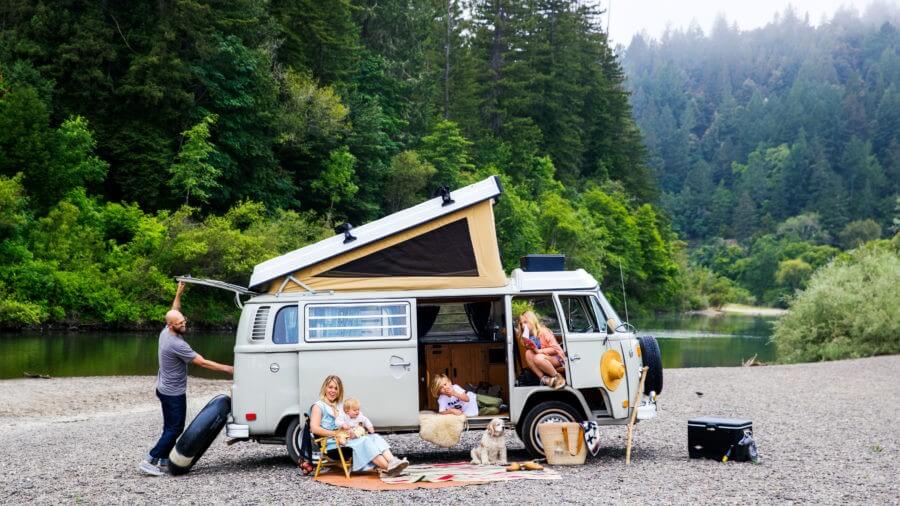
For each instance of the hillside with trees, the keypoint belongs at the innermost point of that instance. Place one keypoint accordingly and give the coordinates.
(144, 140)
(773, 148)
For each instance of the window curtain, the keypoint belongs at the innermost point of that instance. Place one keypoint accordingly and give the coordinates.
(425, 318)
(479, 314)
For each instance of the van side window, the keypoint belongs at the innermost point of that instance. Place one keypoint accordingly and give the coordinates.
(352, 322)
(579, 314)
(286, 330)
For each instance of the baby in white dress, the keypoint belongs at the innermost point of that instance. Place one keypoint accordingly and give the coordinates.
(353, 420)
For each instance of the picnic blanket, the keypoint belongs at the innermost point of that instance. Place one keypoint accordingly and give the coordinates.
(370, 481)
(466, 472)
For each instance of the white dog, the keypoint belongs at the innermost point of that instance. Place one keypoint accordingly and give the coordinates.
(492, 449)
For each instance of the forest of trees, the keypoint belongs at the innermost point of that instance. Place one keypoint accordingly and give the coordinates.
(774, 148)
(143, 140)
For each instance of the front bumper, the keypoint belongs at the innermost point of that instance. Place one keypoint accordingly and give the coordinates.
(647, 409)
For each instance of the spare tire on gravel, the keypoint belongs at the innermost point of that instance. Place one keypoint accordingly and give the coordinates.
(194, 441)
(653, 360)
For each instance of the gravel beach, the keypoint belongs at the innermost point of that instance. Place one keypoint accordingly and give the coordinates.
(827, 433)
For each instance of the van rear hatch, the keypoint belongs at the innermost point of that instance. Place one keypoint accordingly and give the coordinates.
(222, 285)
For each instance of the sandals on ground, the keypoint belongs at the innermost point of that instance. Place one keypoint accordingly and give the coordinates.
(524, 466)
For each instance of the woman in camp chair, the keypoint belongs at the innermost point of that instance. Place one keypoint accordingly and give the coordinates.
(369, 451)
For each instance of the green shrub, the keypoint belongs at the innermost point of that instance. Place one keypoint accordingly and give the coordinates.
(851, 308)
(859, 232)
(19, 314)
(702, 288)
(111, 265)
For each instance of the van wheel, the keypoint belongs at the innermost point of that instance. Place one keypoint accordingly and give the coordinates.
(199, 435)
(653, 360)
(550, 411)
(292, 439)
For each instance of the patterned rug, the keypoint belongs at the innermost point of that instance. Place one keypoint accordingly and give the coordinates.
(370, 481)
(465, 472)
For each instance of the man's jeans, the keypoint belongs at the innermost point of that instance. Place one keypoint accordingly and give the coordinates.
(174, 408)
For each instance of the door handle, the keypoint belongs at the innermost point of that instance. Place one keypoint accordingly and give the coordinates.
(405, 365)
(575, 358)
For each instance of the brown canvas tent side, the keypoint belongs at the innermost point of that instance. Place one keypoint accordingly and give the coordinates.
(430, 246)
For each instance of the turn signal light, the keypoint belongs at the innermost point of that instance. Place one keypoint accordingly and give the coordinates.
(250, 417)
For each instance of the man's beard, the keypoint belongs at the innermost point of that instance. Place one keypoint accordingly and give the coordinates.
(179, 331)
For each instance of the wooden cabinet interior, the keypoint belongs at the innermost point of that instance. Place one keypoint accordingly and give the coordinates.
(466, 363)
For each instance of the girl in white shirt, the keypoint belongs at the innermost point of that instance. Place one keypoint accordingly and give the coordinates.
(453, 399)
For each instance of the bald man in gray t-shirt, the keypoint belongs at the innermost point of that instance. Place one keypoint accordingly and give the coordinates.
(171, 384)
(174, 355)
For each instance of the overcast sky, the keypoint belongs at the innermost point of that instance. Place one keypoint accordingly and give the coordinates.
(628, 17)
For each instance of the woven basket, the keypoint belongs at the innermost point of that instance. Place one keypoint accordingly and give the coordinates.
(563, 443)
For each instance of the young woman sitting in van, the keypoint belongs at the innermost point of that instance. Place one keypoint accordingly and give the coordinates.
(368, 450)
(543, 353)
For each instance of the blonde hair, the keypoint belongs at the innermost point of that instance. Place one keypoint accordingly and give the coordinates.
(436, 381)
(533, 322)
(351, 403)
(340, 396)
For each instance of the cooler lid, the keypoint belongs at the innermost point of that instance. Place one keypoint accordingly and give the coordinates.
(714, 421)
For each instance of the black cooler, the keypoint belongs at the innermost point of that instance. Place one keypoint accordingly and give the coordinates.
(712, 437)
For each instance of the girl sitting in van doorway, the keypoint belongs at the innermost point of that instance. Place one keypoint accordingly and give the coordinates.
(454, 399)
(542, 351)
(368, 450)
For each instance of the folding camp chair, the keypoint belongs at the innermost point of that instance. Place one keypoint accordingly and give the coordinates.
(325, 460)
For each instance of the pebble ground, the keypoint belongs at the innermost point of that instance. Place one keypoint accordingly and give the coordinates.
(827, 434)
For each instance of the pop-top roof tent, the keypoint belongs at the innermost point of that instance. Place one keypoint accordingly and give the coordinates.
(445, 242)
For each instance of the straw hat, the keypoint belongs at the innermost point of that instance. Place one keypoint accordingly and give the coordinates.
(612, 370)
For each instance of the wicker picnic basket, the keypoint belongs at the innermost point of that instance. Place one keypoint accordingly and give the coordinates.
(563, 443)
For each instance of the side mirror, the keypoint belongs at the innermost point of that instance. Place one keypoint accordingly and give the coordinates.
(610, 324)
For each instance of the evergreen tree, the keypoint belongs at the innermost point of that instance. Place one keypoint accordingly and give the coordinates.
(745, 217)
(828, 196)
(448, 151)
(828, 92)
(864, 178)
(319, 36)
(192, 173)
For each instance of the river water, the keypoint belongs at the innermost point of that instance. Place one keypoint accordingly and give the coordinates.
(703, 341)
(685, 341)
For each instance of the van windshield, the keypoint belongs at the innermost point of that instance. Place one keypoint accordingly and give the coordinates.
(607, 309)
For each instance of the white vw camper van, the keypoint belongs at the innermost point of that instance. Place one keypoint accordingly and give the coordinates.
(421, 292)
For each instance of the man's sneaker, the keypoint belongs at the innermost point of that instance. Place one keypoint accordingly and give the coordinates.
(163, 466)
(149, 469)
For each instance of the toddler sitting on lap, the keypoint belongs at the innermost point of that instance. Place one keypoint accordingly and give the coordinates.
(352, 419)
